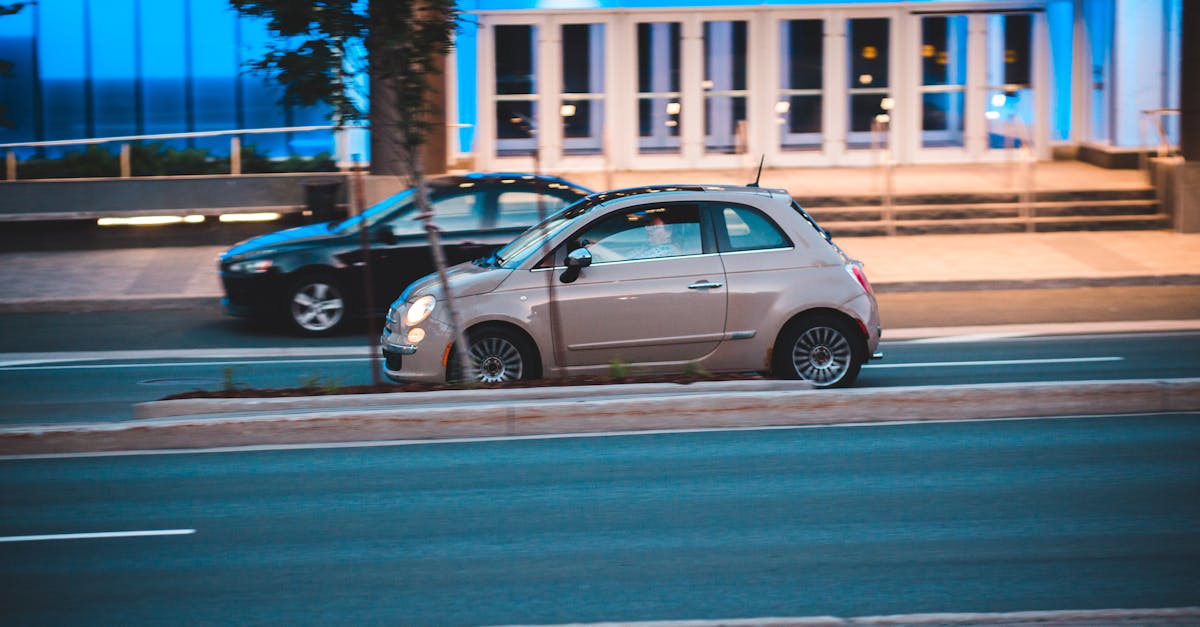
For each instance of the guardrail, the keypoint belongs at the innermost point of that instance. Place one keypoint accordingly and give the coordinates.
(235, 144)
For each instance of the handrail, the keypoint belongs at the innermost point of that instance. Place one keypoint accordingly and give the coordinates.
(235, 147)
(1164, 148)
(128, 138)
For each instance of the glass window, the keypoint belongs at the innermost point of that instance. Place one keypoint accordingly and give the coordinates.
(164, 70)
(943, 80)
(799, 105)
(582, 109)
(659, 105)
(516, 89)
(461, 212)
(520, 209)
(725, 86)
(1009, 88)
(645, 233)
(869, 56)
(748, 229)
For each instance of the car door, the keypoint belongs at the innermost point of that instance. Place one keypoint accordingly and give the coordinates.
(640, 302)
(405, 256)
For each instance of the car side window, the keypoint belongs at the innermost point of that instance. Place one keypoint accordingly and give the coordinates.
(460, 212)
(520, 209)
(648, 232)
(742, 228)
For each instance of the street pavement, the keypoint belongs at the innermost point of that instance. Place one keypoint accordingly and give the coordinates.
(899, 266)
(140, 277)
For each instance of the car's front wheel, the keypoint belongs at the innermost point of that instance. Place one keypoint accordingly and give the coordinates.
(316, 305)
(496, 355)
(822, 350)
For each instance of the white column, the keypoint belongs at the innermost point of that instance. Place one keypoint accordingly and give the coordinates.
(485, 115)
(547, 63)
(692, 75)
(835, 108)
(975, 126)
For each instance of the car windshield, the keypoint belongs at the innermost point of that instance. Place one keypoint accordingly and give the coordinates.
(532, 240)
(378, 211)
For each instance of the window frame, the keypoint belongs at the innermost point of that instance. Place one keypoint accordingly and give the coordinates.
(724, 245)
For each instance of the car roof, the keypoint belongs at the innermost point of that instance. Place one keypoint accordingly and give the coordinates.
(648, 190)
(453, 180)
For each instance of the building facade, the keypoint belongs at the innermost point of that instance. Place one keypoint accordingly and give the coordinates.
(563, 85)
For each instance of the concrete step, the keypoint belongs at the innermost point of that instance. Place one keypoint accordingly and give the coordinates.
(992, 210)
(874, 200)
(1002, 225)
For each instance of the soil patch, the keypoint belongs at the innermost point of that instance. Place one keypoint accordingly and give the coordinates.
(388, 388)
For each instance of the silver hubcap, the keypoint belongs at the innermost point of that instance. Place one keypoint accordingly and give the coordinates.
(317, 307)
(821, 355)
(495, 359)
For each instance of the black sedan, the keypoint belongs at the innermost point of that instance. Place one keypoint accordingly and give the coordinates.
(312, 277)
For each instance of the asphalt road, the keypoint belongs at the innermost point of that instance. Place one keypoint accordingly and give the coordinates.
(994, 516)
(83, 388)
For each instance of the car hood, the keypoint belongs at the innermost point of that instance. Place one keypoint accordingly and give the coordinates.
(280, 239)
(466, 279)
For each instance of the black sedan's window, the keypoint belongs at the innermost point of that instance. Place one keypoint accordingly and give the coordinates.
(521, 208)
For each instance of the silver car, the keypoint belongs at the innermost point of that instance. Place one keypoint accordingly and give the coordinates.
(661, 279)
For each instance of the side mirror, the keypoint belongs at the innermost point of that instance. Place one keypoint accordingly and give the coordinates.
(577, 260)
(383, 233)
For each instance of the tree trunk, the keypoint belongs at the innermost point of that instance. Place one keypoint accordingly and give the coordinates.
(386, 134)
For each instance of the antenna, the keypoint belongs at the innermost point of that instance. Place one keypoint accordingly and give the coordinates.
(759, 175)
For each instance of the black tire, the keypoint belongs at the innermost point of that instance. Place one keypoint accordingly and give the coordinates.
(316, 305)
(497, 355)
(821, 349)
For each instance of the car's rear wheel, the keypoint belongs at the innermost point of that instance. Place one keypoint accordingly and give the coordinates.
(316, 305)
(496, 355)
(822, 350)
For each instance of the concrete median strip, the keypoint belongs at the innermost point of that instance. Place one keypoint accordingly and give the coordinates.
(535, 411)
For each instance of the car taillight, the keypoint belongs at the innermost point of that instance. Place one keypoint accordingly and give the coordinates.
(857, 272)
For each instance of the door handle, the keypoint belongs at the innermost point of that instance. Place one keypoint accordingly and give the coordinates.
(703, 285)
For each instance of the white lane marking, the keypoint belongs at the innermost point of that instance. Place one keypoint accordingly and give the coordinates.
(98, 534)
(20, 359)
(179, 364)
(270, 448)
(1004, 331)
(996, 362)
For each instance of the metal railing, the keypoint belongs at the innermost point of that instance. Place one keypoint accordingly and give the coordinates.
(1155, 119)
(235, 144)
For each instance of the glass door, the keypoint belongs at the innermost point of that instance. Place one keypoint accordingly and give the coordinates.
(1009, 89)
(724, 87)
(516, 89)
(943, 81)
(582, 98)
(869, 54)
(659, 104)
(799, 103)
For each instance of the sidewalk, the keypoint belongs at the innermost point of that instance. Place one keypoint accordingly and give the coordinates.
(68, 280)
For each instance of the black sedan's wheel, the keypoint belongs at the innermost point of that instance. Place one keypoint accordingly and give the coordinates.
(822, 350)
(497, 355)
(316, 305)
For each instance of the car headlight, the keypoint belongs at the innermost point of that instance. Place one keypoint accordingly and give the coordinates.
(255, 266)
(420, 310)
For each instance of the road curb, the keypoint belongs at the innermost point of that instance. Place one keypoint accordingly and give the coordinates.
(1089, 618)
(504, 414)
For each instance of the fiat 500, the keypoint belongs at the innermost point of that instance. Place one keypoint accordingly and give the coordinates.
(661, 279)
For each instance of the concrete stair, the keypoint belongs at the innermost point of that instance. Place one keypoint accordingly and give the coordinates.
(1106, 210)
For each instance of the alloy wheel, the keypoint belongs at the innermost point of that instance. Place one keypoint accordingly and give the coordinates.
(317, 307)
(495, 359)
(822, 355)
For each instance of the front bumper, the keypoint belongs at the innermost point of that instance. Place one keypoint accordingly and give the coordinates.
(424, 362)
